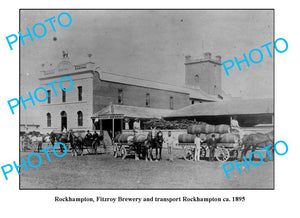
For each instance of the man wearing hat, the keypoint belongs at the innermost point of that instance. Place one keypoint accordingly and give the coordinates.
(212, 144)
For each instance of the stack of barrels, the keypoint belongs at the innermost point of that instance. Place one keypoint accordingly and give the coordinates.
(129, 138)
(123, 138)
(206, 131)
(140, 138)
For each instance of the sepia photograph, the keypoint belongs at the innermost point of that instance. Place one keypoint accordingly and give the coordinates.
(146, 99)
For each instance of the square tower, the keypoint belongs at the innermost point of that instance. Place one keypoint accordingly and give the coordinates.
(204, 73)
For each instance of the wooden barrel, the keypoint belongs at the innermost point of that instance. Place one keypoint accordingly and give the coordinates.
(123, 138)
(209, 128)
(222, 128)
(139, 138)
(186, 138)
(195, 129)
(228, 138)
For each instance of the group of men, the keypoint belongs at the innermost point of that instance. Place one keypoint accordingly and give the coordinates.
(92, 138)
(211, 142)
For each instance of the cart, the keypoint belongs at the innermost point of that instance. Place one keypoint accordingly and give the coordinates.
(223, 152)
(124, 150)
(189, 151)
(226, 151)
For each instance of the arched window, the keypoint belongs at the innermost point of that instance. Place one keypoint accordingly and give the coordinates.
(197, 79)
(64, 121)
(48, 120)
(79, 118)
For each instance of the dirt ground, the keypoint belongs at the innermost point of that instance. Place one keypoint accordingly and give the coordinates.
(106, 172)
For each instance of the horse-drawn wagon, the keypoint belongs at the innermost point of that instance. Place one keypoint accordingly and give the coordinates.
(78, 143)
(130, 145)
(123, 146)
(186, 141)
(227, 147)
(139, 145)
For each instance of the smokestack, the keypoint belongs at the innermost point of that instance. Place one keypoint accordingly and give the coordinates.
(187, 58)
(207, 55)
(218, 58)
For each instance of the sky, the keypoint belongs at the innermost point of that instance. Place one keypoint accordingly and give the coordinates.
(152, 44)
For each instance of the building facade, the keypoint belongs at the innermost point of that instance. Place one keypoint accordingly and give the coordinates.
(94, 89)
(71, 109)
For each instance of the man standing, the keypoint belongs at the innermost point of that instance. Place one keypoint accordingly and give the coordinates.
(136, 125)
(197, 142)
(236, 129)
(34, 141)
(95, 139)
(170, 140)
(212, 144)
(234, 124)
(159, 142)
(39, 142)
(88, 138)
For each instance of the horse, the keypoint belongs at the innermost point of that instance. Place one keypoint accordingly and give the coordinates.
(97, 140)
(141, 146)
(76, 143)
(257, 140)
(68, 137)
(154, 142)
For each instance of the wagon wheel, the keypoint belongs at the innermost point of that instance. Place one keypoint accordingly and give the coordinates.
(188, 154)
(234, 154)
(123, 152)
(202, 152)
(222, 154)
(115, 151)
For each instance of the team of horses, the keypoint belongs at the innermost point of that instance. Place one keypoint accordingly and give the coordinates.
(77, 142)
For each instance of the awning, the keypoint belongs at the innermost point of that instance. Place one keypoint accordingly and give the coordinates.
(119, 111)
(227, 107)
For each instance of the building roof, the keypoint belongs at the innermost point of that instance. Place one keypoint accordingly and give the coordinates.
(226, 107)
(133, 112)
(65, 67)
(196, 93)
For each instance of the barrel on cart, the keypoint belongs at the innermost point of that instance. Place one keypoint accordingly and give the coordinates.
(186, 141)
(126, 145)
(227, 147)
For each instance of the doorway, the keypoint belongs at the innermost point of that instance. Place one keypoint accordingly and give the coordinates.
(63, 115)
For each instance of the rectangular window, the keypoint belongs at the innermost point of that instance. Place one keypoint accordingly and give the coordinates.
(120, 96)
(147, 100)
(49, 96)
(48, 120)
(171, 103)
(63, 96)
(79, 93)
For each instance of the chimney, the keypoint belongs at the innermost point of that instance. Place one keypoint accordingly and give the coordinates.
(218, 58)
(187, 58)
(207, 55)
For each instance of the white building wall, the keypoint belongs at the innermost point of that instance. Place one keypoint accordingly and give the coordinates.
(72, 105)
